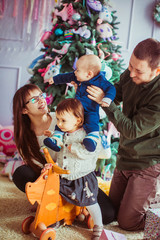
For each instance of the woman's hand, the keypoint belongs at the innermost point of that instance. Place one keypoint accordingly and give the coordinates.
(47, 133)
(47, 166)
(95, 93)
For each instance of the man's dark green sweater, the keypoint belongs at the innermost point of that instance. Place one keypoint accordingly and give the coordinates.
(138, 122)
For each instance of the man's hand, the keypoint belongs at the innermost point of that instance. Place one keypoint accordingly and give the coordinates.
(104, 104)
(95, 93)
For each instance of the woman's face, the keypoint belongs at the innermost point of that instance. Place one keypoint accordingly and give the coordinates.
(35, 104)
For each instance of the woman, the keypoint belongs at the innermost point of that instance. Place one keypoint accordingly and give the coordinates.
(31, 119)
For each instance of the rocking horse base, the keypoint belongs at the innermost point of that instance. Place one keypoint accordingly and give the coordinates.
(41, 232)
(52, 208)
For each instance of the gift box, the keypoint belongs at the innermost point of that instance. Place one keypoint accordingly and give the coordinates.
(152, 224)
(104, 185)
(110, 235)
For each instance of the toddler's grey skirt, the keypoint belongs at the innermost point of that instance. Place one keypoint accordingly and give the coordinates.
(82, 191)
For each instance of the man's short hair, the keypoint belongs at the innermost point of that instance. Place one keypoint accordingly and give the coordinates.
(149, 50)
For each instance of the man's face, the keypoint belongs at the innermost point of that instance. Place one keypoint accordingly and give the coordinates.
(140, 72)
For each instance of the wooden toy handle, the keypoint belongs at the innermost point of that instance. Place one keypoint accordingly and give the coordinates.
(55, 167)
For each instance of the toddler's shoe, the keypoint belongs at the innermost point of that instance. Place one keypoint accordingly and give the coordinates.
(97, 231)
(55, 143)
(90, 142)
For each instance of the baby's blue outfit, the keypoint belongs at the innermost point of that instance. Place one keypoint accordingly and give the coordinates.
(91, 108)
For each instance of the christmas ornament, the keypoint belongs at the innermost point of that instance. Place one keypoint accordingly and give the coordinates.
(35, 63)
(105, 30)
(76, 17)
(115, 56)
(93, 40)
(63, 50)
(54, 17)
(83, 32)
(104, 15)
(94, 5)
(156, 12)
(100, 52)
(51, 70)
(58, 32)
(68, 34)
(66, 13)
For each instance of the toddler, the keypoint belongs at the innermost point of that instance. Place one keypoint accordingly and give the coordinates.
(80, 187)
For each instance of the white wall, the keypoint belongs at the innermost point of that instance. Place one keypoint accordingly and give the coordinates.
(18, 49)
(19, 45)
(136, 24)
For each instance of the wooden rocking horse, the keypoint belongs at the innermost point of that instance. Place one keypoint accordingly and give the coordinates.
(52, 208)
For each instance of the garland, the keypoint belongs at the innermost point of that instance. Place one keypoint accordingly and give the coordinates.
(156, 12)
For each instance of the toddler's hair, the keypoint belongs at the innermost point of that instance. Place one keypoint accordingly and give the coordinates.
(71, 105)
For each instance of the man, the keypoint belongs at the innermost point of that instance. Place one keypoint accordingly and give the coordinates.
(136, 177)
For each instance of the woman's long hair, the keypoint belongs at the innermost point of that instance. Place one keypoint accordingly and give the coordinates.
(25, 138)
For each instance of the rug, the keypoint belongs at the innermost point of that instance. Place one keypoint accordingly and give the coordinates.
(14, 208)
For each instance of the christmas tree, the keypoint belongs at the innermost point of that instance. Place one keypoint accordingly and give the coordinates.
(79, 27)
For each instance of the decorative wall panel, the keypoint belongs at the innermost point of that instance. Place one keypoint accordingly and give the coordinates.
(9, 83)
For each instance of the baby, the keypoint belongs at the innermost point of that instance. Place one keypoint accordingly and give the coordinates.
(87, 73)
